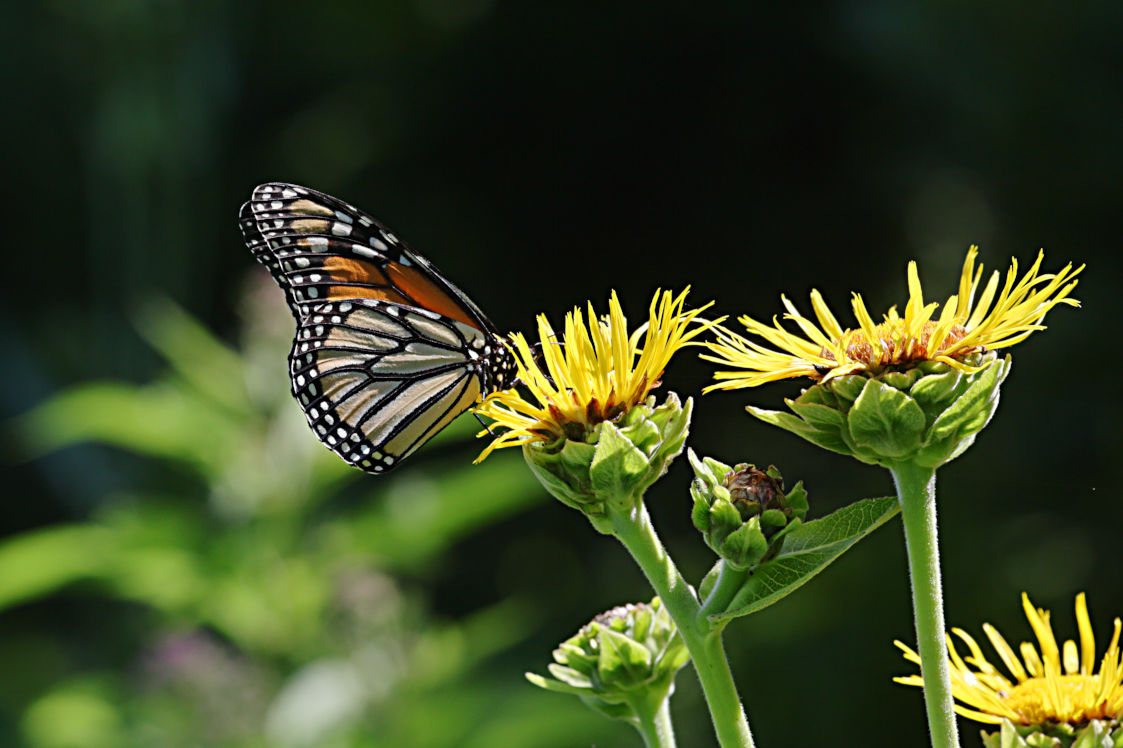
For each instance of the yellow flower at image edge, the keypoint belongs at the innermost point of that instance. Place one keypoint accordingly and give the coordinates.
(826, 351)
(1051, 684)
(594, 372)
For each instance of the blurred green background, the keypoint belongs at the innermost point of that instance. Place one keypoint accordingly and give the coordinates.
(181, 563)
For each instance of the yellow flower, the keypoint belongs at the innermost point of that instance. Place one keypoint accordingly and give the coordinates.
(595, 372)
(962, 327)
(1054, 685)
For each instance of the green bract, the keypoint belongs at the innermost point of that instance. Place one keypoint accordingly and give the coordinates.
(927, 415)
(1095, 734)
(743, 513)
(622, 659)
(617, 460)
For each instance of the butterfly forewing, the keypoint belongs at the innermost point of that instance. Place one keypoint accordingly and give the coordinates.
(377, 380)
(319, 248)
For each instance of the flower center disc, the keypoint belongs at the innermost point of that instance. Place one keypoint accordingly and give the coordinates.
(1065, 698)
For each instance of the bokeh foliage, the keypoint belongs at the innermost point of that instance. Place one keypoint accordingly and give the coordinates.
(275, 611)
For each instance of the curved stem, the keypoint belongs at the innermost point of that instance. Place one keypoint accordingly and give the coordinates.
(916, 491)
(655, 724)
(729, 581)
(634, 530)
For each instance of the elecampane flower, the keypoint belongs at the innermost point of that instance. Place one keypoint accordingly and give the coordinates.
(964, 326)
(1050, 684)
(595, 371)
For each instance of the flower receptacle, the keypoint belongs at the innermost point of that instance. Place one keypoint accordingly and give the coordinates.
(926, 415)
(617, 461)
(624, 657)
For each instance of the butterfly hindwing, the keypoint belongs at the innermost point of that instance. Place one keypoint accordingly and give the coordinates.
(376, 379)
(319, 248)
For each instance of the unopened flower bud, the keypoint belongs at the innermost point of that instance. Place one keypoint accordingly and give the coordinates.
(743, 512)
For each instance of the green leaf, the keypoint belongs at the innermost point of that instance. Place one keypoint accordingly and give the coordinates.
(886, 420)
(700, 512)
(569, 676)
(744, 546)
(161, 420)
(822, 417)
(622, 711)
(623, 663)
(901, 380)
(553, 484)
(617, 464)
(37, 563)
(415, 519)
(800, 428)
(194, 353)
(808, 550)
(848, 387)
(934, 390)
(707, 584)
(724, 519)
(972, 410)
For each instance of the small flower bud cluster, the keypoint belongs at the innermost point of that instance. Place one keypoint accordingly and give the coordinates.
(625, 656)
(742, 512)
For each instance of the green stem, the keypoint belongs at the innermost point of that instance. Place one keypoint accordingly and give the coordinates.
(655, 724)
(729, 582)
(916, 491)
(704, 643)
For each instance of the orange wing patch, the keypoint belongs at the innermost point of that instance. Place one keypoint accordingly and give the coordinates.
(374, 283)
(427, 294)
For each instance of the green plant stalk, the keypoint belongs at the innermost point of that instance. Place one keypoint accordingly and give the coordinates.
(703, 641)
(655, 723)
(916, 491)
(729, 581)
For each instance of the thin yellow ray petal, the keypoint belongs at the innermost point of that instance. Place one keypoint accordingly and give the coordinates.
(826, 319)
(1039, 621)
(916, 294)
(1087, 638)
(1005, 652)
(1070, 657)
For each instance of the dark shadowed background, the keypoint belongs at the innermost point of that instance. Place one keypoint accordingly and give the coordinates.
(182, 564)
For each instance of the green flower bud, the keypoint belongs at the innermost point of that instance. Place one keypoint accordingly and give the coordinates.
(616, 462)
(926, 415)
(626, 656)
(1094, 734)
(742, 512)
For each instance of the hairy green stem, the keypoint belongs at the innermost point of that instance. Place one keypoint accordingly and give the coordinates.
(655, 723)
(916, 491)
(729, 582)
(703, 642)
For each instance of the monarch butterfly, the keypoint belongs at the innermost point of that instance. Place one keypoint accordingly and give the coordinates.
(387, 351)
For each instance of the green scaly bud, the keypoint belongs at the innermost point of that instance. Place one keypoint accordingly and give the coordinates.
(1095, 734)
(616, 461)
(624, 657)
(742, 512)
(926, 415)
